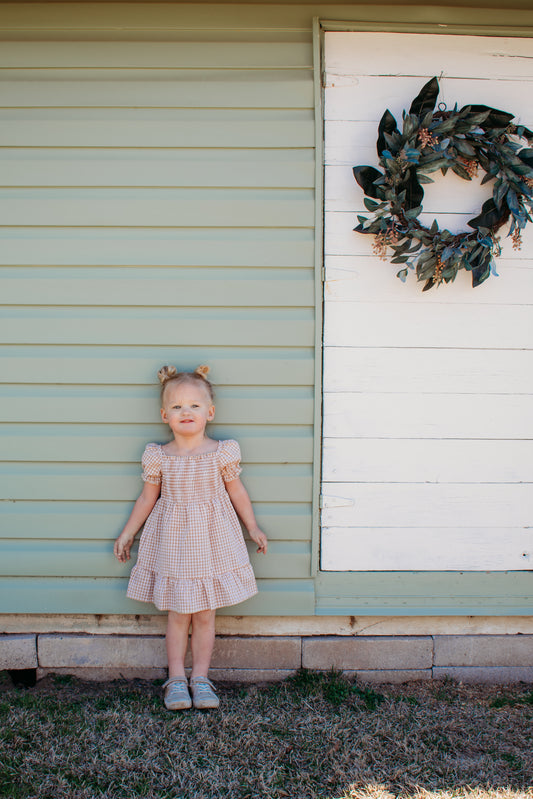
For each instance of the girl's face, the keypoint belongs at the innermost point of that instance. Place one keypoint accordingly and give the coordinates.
(187, 407)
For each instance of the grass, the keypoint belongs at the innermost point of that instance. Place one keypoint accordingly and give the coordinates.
(314, 736)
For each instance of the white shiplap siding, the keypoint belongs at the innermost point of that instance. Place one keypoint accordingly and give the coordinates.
(427, 397)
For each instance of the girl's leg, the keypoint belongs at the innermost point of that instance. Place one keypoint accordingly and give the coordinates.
(177, 639)
(202, 642)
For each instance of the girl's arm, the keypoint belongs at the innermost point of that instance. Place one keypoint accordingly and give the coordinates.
(243, 506)
(141, 511)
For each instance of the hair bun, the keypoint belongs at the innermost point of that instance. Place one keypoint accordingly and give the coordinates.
(202, 370)
(166, 373)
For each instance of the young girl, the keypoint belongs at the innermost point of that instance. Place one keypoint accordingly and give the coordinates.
(192, 556)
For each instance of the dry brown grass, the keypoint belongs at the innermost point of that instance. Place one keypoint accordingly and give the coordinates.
(313, 737)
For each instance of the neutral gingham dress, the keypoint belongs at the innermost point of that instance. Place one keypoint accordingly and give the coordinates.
(192, 554)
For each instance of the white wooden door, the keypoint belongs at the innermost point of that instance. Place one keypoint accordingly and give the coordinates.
(428, 420)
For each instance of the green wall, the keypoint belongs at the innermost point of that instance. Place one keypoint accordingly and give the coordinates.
(158, 205)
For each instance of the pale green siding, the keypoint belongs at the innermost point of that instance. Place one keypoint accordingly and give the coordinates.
(157, 206)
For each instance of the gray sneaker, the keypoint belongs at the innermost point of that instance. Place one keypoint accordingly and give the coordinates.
(177, 696)
(203, 694)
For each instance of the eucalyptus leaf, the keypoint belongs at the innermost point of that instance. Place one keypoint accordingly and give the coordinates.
(412, 155)
(365, 176)
(486, 178)
(410, 125)
(447, 253)
(478, 117)
(425, 100)
(415, 192)
(461, 171)
(424, 255)
(401, 248)
(493, 117)
(512, 202)
(500, 190)
(393, 141)
(481, 268)
(412, 213)
(489, 217)
(428, 119)
(427, 269)
(522, 131)
(434, 166)
(445, 126)
(483, 160)
(464, 147)
(387, 126)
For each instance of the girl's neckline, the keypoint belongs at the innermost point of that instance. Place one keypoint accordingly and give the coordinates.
(198, 455)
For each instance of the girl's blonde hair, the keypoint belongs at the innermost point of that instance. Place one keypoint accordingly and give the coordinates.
(169, 374)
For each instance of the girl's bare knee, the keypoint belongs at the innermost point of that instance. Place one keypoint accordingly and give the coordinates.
(204, 618)
(178, 619)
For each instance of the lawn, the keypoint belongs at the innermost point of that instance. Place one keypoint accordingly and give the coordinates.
(311, 737)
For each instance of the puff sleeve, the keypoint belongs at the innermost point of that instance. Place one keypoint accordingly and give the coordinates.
(151, 463)
(230, 457)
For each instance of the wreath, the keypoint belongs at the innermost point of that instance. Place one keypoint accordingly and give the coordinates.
(461, 140)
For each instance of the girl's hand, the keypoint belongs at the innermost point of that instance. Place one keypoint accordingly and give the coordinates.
(260, 539)
(141, 510)
(241, 502)
(122, 547)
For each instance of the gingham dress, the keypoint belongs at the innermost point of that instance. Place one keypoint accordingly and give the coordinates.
(192, 554)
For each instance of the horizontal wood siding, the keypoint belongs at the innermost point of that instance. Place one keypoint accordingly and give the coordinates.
(427, 396)
(157, 169)
(157, 205)
(425, 593)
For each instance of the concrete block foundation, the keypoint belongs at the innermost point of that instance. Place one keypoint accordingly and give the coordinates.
(266, 658)
(485, 674)
(101, 651)
(18, 652)
(367, 652)
(495, 651)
